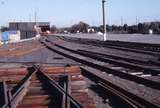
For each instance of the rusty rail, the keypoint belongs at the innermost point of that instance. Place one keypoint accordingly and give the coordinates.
(10, 98)
(146, 70)
(133, 100)
(137, 79)
(133, 60)
(118, 45)
(3, 93)
(16, 94)
(67, 100)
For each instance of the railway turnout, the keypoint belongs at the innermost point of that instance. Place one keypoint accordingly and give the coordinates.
(90, 59)
(39, 90)
(120, 81)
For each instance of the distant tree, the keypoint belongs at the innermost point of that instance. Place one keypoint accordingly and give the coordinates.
(101, 28)
(125, 27)
(3, 29)
(81, 27)
(120, 28)
(108, 28)
(96, 29)
(133, 29)
(114, 28)
(146, 28)
(140, 28)
(53, 28)
(74, 28)
(155, 27)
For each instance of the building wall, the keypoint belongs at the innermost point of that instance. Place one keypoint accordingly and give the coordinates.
(27, 34)
(29, 26)
(27, 29)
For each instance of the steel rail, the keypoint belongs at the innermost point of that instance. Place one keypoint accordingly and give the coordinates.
(145, 70)
(16, 94)
(136, 45)
(128, 59)
(126, 65)
(139, 80)
(3, 93)
(131, 99)
(53, 83)
(155, 85)
(100, 43)
(143, 46)
(32, 63)
(134, 50)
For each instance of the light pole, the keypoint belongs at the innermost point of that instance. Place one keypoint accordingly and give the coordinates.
(104, 23)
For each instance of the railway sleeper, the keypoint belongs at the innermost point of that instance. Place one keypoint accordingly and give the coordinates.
(140, 80)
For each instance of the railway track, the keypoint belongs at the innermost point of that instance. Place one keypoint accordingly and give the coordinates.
(122, 72)
(75, 55)
(12, 96)
(133, 45)
(144, 68)
(37, 90)
(12, 76)
(127, 59)
(124, 64)
(142, 48)
(40, 88)
(32, 63)
(130, 100)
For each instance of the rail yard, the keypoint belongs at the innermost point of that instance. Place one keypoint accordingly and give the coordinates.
(66, 72)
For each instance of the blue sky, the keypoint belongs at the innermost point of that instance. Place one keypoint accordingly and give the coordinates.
(67, 12)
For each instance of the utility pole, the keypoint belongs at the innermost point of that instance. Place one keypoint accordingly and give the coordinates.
(29, 17)
(122, 24)
(35, 16)
(136, 20)
(36, 25)
(122, 21)
(104, 23)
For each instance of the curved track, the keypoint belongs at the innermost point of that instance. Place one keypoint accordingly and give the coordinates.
(133, 100)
